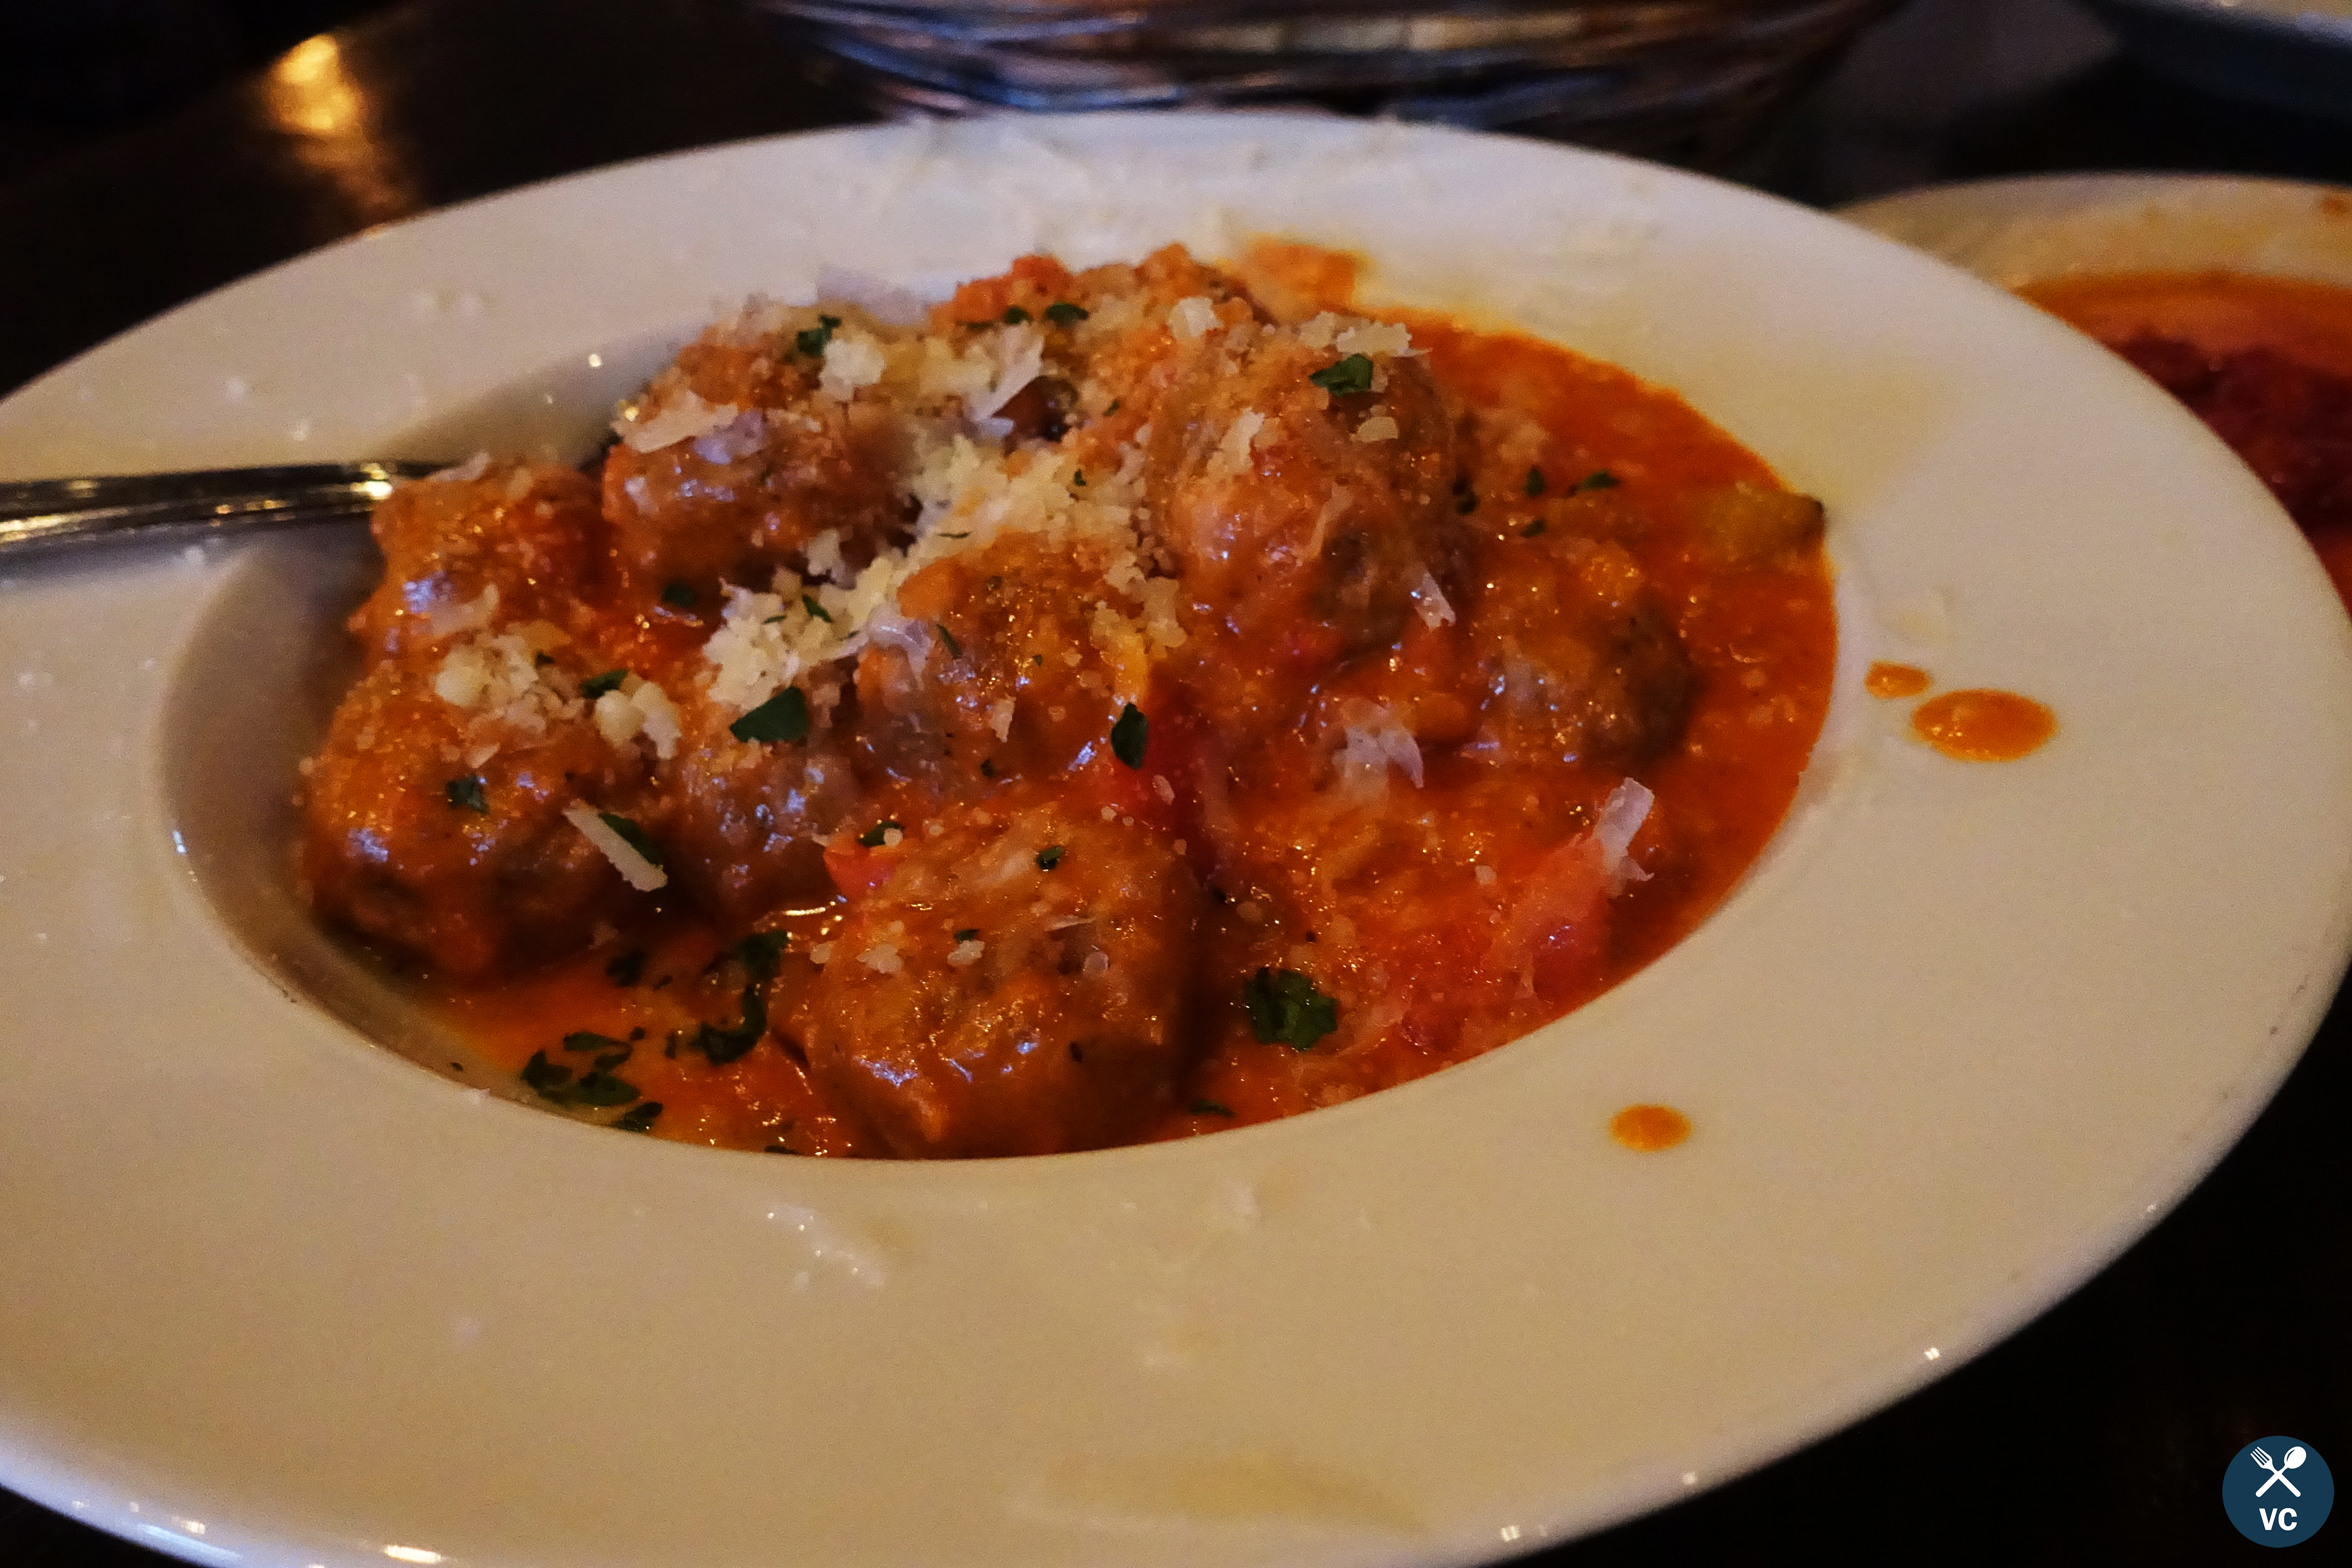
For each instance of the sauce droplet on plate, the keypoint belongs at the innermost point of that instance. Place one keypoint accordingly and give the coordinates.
(1649, 1128)
(1982, 726)
(1886, 679)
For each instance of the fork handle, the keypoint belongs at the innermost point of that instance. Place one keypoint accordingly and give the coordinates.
(41, 515)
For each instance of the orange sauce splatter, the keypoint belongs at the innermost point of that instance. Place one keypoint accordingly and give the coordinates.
(1886, 679)
(1649, 1128)
(1982, 726)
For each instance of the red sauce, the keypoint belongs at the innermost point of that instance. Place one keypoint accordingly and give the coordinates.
(1646, 1129)
(1884, 680)
(2266, 362)
(1983, 726)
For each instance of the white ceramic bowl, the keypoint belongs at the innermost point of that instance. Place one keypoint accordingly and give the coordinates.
(277, 1296)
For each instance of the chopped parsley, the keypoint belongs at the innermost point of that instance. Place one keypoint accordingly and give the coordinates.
(1532, 529)
(542, 660)
(1062, 313)
(634, 836)
(1535, 481)
(1130, 735)
(596, 686)
(627, 968)
(988, 767)
(760, 951)
(967, 933)
(872, 837)
(1014, 316)
(1284, 1006)
(1079, 477)
(1200, 1108)
(1113, 408)
(596, 1087)
(467, 793)
(724, 1046)
(783, 717)
(812, 341)
(1466, 502)
(808, 603)
(589, 1040)
(677, 596)
(955, 649)
(1599, 479)
(1049, 857)
(1350, 375)
(638, 1118)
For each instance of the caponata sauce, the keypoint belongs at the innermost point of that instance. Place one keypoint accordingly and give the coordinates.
(1262, 712)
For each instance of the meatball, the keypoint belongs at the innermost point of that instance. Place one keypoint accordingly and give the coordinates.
(761, 438)
(747, 817)
(1578, 659)
(1307, 519)
(1014, 985)
(438, 828)
(1019, 655)
(508, 541)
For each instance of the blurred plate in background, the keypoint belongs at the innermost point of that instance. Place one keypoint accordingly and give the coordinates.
(1693, 80)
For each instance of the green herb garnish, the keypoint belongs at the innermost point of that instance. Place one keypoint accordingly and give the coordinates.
(760, 951)
(1130, 735)
(638, 1118)
(589, 1040)
(1049, 857)
(1535, 481)
(1015, 315)
(724, 1046)
(677, 596)
(967, 933)
(1350, 375)
(872, 837)
(1599, 479)
(467, 793)
(1062, 313)
(596, 1087)
(596, 686)
(627, 968)
(783, 717)
(1210, 1107)
(812, 340)
(634, 836)
(1532, 528)
(1284, 1006)
(808, 603)
(955, 649)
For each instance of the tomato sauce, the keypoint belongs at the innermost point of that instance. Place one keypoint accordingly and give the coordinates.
(1984, 726)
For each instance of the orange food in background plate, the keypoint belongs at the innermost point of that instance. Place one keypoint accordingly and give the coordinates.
(2266, 362)
(1126, 705)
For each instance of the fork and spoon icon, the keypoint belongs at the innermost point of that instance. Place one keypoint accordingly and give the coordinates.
(2294, 1456)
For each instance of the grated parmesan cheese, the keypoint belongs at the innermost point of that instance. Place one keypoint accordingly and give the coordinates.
(635, 870)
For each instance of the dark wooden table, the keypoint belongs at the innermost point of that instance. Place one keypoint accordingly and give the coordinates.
(2099, 1433)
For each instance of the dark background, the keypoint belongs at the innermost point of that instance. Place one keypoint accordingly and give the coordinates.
(141, 163)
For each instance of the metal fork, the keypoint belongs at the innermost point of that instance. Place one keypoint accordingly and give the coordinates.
(38, 516)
